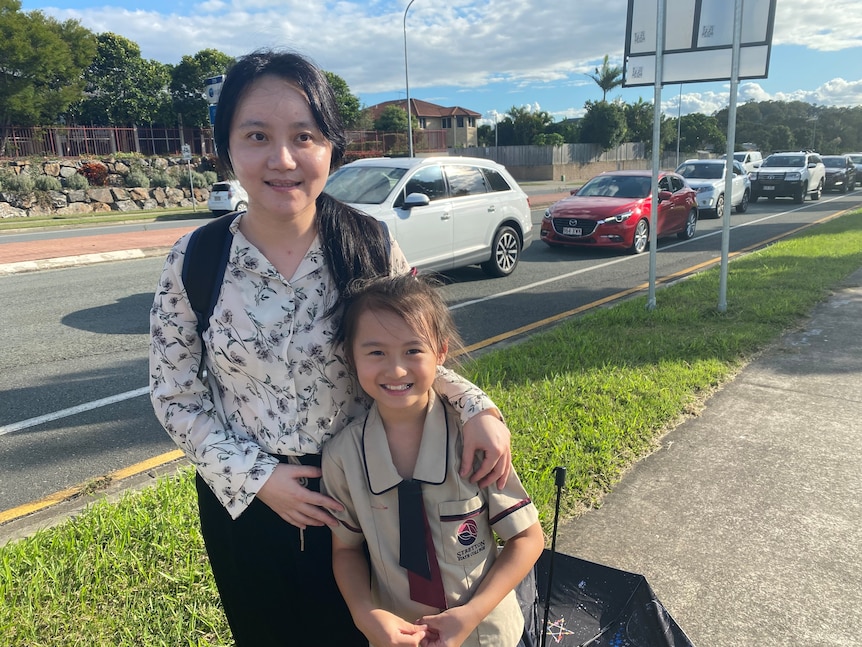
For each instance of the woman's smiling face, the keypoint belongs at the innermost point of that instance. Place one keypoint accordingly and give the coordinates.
(277, 150)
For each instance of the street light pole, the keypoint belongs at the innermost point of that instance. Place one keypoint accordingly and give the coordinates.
(407, 85)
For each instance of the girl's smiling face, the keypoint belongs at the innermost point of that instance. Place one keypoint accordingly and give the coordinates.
(395, 365)
(277, 150)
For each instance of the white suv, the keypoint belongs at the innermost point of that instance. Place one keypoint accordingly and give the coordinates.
(789, 175)
(445, 212)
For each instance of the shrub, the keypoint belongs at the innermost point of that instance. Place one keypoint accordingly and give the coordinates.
(47, 183)
(164, 180)
(19, 184)
(76, 182)
(210, 177)
(95, 172)
(197, 180)
(137, 178)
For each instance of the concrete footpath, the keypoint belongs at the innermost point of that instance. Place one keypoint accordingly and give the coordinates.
(748, 521)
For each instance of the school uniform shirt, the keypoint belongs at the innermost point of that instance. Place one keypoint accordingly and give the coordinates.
(359, 472)
(276, 383)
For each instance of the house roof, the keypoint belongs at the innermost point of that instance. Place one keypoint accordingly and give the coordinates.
(423, 109)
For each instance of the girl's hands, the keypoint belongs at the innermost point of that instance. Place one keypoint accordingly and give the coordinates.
(449, 628)
(385, 628)
(295, 503)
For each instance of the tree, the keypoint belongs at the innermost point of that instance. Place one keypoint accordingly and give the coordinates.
(393, 119)
(485, 135)
(700, 132)
(607, 77)
(549, 139)
(187, 84)
(603, 124)
(122, 89)
(41, 65)
(527, 123)
(348, 104)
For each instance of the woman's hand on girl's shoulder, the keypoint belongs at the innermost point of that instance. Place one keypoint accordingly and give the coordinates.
(488, 438)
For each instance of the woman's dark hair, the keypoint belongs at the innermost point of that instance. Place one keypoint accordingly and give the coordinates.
(414, 298)
(354, 244)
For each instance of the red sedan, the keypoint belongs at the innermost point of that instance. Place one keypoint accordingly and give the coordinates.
(613, 210)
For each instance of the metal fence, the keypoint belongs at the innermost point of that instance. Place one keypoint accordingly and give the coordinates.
(77, 141)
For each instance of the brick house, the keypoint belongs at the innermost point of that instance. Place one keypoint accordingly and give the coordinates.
(459, 124)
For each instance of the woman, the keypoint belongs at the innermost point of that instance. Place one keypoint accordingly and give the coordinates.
(276, 385)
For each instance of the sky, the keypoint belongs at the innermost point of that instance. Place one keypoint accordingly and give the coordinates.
(483, 55)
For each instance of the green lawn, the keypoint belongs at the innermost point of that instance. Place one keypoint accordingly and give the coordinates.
(595, 394)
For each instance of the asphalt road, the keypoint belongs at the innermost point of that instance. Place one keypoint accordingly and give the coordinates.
(73, 372)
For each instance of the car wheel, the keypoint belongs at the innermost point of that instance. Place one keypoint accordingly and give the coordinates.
(818, 191)
(800, 195)
(641, 237)
(690, 226)
(719, 206)
(505, 253)
(742, 207)
(241, 206)
(754, 198)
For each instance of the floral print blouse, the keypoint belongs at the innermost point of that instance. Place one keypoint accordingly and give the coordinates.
(275, 382)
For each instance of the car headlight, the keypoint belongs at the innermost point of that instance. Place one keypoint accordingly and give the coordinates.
(548, 213)
(795, 176)
(752, 176)
(705, 189)
(620, 217)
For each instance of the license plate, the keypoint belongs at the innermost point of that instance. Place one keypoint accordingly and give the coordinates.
(769, 188)
(572, 231)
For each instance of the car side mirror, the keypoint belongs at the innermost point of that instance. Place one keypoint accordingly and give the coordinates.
(664, 195)
(812, 164)
(573, 192)
(416, 200)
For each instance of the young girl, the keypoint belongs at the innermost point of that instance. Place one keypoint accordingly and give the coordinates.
(436, 576)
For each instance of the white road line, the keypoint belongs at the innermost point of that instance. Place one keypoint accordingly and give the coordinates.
(87, 406)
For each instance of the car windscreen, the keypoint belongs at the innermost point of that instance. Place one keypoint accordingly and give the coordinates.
(856, 159)
(363, 184)
(775, 161)
(616, 186)
(834, 162)
(701, 171)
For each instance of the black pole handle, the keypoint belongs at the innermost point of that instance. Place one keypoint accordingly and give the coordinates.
(559, 481)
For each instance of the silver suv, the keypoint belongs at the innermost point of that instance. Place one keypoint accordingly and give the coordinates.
(445, 212)
(789, 175)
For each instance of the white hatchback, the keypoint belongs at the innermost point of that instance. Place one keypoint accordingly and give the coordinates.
(226, 197)
(445, 212)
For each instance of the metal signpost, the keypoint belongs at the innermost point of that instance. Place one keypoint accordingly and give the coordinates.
(689, 41)
(187, 156)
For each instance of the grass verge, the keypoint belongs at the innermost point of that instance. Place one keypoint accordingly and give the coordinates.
(595, 394)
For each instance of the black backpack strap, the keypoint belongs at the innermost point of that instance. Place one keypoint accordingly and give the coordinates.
(204, 265)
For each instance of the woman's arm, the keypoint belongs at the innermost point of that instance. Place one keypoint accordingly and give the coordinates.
(235, 468)
(486, 436)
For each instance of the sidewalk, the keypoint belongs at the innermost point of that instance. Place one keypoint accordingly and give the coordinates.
(748, 521)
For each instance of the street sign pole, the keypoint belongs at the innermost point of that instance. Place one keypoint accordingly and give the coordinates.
(187, 156)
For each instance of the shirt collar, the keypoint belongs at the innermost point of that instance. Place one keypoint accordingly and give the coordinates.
(312, 262)
(379, 468)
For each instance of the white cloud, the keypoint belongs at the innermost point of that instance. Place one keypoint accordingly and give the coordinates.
(826, 25)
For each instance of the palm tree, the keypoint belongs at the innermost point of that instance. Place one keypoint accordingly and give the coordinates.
(607, 77)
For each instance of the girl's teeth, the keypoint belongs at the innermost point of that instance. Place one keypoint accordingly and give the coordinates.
(398, 387)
